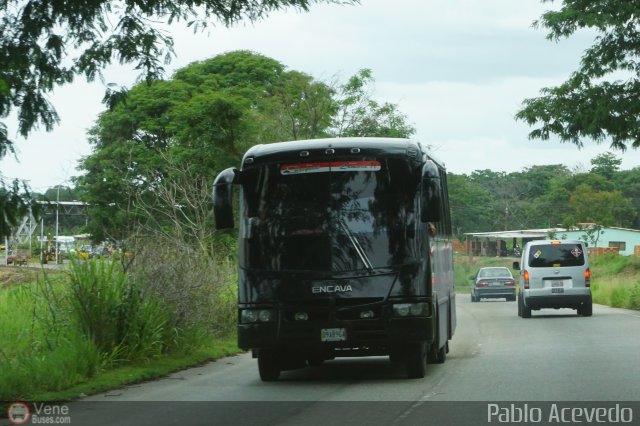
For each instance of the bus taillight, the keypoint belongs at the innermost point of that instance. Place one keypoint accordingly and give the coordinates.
(525, 274)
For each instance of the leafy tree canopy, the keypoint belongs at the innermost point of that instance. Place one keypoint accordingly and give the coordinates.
(44, 44)
(606, 164)
(205, 118)
(605, 208)
(361, 115)
(472, 206)
(599, 101)
(545, 197)
(15, 202)
(48, 43)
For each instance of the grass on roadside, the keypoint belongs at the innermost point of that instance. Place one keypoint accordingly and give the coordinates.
(616, 281)
(93, 329)
(121, 376)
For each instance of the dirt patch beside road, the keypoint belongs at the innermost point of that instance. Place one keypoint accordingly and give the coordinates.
(12, 275)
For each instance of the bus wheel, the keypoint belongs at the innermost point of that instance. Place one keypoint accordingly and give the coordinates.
(416, 360)
(268, 365)
(315, 360)
(396, 356)
(438, 355)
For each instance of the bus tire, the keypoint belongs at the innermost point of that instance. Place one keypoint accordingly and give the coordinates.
(268, 365)
(396, 356)
(438, 355)
(416, 360)
(315, 361)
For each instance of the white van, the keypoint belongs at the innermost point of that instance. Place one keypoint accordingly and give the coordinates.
(554, 274)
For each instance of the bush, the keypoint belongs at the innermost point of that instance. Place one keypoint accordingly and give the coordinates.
(114, 313)
(59, 331)
(634, 296)
(619, 297)
(199, 288)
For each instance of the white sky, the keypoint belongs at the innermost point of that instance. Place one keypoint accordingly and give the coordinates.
(459, 69)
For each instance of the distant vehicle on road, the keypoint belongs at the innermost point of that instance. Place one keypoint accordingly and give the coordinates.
(493, 283)
(554, 274)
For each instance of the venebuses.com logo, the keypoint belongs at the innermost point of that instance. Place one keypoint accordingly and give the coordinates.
(18, 413)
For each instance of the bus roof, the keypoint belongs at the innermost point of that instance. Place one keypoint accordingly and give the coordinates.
(315, 148)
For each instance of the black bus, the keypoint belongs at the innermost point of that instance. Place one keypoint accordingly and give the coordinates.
(344, 250)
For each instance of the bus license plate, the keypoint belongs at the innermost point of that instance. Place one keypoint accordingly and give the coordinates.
(333, 334)
(557, 290)
(557, 283)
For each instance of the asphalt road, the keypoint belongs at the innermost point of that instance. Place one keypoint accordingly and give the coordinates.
(495, 357)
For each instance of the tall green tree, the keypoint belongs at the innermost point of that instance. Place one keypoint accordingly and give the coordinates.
(604, 208)
(47, 43)
(538, 179)
(547, 196)
(599, 101)
(205, 117)
(628, 182)
(470, 205)
(606, 164)
(551, 207)
(37, 36)
(15, 203)
(359, 114)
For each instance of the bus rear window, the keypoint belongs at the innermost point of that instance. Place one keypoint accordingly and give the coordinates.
(556, 256)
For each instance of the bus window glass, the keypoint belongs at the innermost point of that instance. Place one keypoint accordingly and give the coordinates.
(329, 220)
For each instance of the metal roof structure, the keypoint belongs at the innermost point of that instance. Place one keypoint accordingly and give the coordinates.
(29, 224)
(522, 233)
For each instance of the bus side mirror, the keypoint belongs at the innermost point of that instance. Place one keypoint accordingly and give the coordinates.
(222, 197)
(516, 266)
(431, 193)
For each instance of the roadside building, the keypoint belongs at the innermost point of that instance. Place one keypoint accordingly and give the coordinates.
(611, 239)
(600, 240)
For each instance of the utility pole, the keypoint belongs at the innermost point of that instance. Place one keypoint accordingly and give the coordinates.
(56, 247)
(506, 218)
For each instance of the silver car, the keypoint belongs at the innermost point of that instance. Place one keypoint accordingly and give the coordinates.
(554, 274)
(493, 283)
